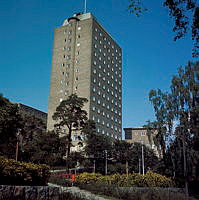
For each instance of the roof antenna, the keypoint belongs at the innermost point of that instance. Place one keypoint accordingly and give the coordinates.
(84, 6)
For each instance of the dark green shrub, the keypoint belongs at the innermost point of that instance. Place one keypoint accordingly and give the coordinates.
(150, 179)
(21, 173)
(58, 180)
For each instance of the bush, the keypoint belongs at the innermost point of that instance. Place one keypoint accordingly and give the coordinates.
(21, 173)
(58, 180)
(135, 193)
(150, 179)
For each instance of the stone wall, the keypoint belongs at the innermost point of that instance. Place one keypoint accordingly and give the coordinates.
(29, 192)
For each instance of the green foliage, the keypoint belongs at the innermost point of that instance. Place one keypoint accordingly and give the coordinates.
(44, 148)
(10, 123)
(59, 180)
(71, 116)
(21, 173)
(150, 179)
(134, 193)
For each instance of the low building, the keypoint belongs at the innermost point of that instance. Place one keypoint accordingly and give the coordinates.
(143, 136)
(32, 112)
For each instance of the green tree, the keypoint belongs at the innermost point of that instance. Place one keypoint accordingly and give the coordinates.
(181, 105)
(97, 148)
(70, 116)
(185, 14)
(10, 123)
(123, 153)
(44, 148)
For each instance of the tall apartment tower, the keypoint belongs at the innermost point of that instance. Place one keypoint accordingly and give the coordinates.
(87, 61)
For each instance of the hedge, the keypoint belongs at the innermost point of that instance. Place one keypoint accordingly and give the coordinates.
(21, 173)
(150, 179)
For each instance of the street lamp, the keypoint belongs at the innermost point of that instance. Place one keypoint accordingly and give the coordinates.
(17, 144)
(106, 162)
(142, 157)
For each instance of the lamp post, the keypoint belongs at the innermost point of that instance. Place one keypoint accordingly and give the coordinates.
(142, 158)
(17, 144)
(106, 162)
(139, 166)
(93, 166)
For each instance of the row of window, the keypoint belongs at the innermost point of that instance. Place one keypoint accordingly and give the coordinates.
(109, 91)
(107, 124)
(108, 108)
(104, 86)
(106, 97)
(106, 115)
(104, 78)
(107, 133)
(106, 70)
(99, 35)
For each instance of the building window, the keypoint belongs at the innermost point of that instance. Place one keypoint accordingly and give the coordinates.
(93, 98)
(76, 78)
(142, 133)
(78, 44)
(60, 99)
(128, 135)
(93, 108)
(79, 28)
(78, 36)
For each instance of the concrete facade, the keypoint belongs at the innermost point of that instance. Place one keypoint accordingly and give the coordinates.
(32, 112)
(140, 135)
(87, 61)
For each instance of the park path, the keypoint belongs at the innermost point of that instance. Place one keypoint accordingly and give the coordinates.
(78, 192)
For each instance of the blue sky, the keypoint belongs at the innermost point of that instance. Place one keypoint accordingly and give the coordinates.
(150, 57)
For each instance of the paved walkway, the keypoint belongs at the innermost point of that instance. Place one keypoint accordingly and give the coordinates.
(77, 192)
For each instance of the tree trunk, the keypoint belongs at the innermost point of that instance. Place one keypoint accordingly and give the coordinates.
(127, 168)
(68, 148)
(185, 168)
